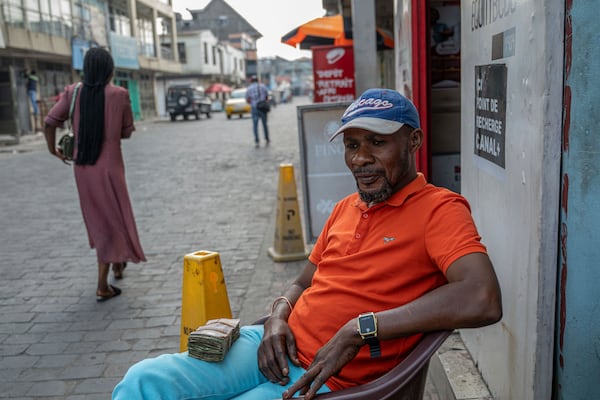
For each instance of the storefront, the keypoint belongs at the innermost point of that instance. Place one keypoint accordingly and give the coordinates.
(506, 95)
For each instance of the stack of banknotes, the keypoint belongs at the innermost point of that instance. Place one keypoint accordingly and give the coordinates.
(212, 341)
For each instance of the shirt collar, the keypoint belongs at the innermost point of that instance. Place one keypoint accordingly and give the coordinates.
(400, 196)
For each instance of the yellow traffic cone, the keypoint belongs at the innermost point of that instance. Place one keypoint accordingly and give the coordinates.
(289, 240)
(204, 293)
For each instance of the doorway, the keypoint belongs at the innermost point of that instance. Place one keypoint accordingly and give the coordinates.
(15, 118)
(125, 80)
(444, 20)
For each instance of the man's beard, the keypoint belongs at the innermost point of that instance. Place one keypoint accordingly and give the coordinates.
(376, 197)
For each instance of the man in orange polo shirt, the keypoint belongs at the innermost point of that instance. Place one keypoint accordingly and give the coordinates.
(397, 258)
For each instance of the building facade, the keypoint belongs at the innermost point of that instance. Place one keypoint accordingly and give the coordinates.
(204, 60)
(51, 37)
(287, 78)
(202, 54)
(229, 26)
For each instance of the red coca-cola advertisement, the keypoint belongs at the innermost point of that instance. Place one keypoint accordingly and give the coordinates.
(333, 70)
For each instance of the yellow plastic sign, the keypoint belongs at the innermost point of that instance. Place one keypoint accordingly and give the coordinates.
(204, 293)
(289, 241)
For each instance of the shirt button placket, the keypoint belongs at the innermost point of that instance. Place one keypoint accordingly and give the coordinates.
(358, 235)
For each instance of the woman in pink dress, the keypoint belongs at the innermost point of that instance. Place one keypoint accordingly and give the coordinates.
(102, 116)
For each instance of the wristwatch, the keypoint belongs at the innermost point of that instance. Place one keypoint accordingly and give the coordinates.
(367, 329)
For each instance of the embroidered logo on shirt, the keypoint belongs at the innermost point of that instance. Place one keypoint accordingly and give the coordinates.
(386, 240)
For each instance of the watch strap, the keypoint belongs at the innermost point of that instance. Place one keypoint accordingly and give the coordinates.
(374, 346)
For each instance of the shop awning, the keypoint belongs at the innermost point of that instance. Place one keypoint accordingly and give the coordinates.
(330, 30)
(218, 88)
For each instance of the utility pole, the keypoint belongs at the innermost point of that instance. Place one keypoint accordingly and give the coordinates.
(222, 22)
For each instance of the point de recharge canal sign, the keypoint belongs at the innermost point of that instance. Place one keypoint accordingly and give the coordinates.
(490, 112)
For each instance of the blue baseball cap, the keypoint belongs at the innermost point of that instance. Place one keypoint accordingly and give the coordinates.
(382, 111)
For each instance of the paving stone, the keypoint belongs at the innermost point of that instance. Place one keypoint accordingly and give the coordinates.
(67, 337)
(97, 385)
(16, 317)
(54, 388)
(83, 371)
(12, 349)
(46, 348)
(14, 328)
(18, 362)
(15, 390)
(40, 374)
(90, 359)
(56, 361)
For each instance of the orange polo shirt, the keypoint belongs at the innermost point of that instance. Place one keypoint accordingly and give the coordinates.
(379, 258)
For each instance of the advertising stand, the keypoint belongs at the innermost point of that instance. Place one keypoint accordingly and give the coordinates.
(325, 177)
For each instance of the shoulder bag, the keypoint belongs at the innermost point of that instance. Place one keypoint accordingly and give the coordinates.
(263, 105)
(67, 141)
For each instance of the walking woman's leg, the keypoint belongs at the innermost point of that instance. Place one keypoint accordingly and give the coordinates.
(103, 278)
(104, 291)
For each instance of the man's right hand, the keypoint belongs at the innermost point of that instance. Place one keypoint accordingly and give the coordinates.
(277, 345)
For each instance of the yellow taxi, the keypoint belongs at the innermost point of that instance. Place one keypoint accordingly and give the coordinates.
(236, 103)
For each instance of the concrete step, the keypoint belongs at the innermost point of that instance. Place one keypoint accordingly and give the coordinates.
(454, 373)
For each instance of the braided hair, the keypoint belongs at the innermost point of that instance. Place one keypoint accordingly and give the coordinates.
(98, 67)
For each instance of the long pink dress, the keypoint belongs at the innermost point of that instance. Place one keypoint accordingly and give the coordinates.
(102, 187)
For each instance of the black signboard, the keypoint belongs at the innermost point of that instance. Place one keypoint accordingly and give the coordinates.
(490, 112)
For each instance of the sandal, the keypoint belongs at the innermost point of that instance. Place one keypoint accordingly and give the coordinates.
(118, 272)
(103, 296)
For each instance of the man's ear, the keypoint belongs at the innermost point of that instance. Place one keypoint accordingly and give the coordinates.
(415, 139)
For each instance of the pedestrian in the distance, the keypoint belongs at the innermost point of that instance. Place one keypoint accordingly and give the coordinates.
(255, 93)
(32, 83)
(102, 116)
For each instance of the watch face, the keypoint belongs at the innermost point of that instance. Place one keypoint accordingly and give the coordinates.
(367, 324)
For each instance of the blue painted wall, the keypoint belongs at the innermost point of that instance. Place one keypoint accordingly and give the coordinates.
(577, 366)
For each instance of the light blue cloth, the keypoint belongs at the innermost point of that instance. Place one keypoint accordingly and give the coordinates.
(33, 98)
(180, 377)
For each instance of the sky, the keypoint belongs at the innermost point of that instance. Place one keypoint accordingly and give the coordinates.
(272, 18)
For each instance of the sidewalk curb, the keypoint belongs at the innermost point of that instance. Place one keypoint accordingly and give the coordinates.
(10, 141)
(13, 144)
(454, 373)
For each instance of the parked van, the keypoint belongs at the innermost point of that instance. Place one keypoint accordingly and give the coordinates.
(187, 100)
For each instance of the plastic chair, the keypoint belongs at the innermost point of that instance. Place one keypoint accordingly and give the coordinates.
(406, 381)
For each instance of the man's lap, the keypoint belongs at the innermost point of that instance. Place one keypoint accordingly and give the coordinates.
(178, 376)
